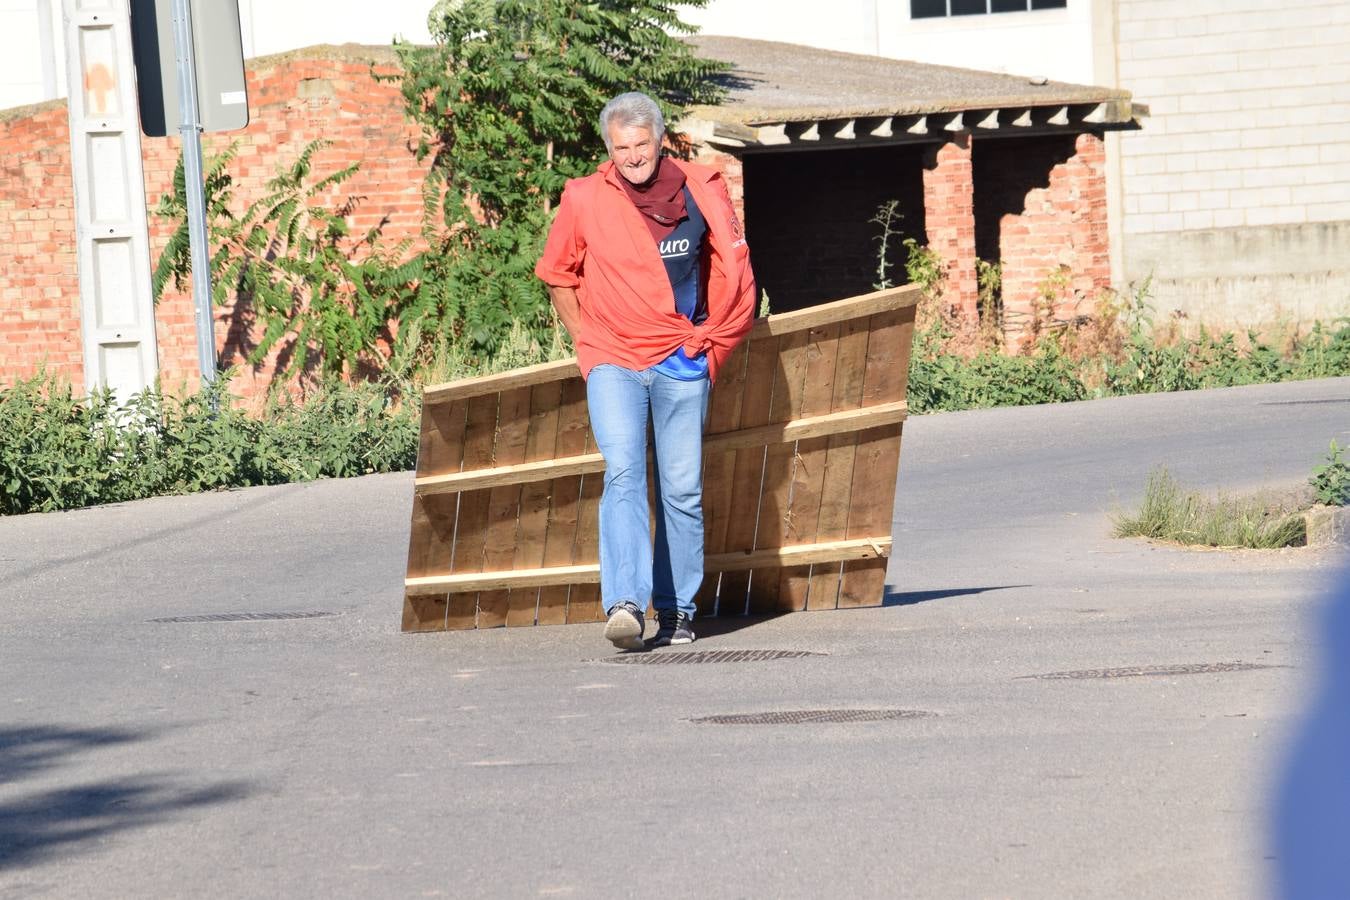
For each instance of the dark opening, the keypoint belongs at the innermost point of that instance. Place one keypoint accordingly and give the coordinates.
(1004, 171)
(807, 215)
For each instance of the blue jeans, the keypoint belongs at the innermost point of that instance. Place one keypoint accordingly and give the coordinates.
(621, 401)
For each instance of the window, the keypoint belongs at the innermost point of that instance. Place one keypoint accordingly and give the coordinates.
(933, 9)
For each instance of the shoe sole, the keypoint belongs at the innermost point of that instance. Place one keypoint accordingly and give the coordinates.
(624, 631)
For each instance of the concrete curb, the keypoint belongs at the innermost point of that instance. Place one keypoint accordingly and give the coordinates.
(1328, 525)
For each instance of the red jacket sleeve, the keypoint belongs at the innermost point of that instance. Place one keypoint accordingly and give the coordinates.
(565, 250)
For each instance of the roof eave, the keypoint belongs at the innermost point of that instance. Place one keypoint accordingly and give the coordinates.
(746, 129)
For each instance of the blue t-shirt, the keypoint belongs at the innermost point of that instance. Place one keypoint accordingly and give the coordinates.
(682, 252)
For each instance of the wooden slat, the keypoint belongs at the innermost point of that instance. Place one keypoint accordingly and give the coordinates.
(850, 421)
(560, 538)
(788, 390)
(586, 574)
(840, 310)
(513, 427)
(772, 326)
(756, 399)
(484, 385)
(724, 413)
(441, 448)
(833, 521)
(540, 444)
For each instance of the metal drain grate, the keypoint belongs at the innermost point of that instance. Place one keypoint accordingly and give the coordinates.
(814, 716)
(1142, 671)
(705, 656)
(245, 617)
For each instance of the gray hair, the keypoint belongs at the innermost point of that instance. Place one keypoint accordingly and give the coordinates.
(632, 108)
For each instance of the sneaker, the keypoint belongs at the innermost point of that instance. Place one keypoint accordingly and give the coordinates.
(625, 625)
(673, 627)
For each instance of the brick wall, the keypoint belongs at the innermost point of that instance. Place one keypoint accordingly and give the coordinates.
(1054, 242)
(322, 92)
(949, 202)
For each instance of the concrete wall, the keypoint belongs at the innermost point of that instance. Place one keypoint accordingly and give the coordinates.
(1237, 191)
(1006, 42)
(32, 65)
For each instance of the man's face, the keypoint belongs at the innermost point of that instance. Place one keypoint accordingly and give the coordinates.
(634, 151)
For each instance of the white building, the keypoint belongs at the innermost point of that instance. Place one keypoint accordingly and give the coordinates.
(1235, 196)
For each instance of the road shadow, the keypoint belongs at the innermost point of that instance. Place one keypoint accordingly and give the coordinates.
(911, 598)
(65, 820)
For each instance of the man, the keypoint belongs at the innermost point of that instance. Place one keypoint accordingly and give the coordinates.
(649, 271)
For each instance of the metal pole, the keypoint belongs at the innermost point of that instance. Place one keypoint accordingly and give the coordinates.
(190, 127)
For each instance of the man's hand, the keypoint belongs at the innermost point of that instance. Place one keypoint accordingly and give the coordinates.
(569, 309)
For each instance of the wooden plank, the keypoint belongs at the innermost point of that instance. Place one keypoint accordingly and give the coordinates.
(772, 326)
(586, 463)
(540, 444)
(832, 524)
(471, 518)
(560, 536)
(872, 500)
(441, 447)
(775, 493)
(513, 427)
(485, 385)
(521, 473)
(756, 398)
(878, 547)
(724, 413)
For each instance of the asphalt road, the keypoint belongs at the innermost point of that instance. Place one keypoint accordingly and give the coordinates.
(335, 757)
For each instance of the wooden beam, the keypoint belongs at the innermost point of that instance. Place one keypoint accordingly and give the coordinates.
(588, 463)
(812, 427)
(838, 311)
(494, 384)
(799, 555)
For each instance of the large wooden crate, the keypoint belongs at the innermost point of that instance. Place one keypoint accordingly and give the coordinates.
(800, 459)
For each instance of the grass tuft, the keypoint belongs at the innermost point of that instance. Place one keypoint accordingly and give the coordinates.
(1171, 513)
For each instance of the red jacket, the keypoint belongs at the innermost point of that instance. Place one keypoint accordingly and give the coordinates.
(600, 245)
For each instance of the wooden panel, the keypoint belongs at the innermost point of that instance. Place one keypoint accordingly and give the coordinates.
(786, 405)
(560, 537)
(832, 523)
(799, 473)
(724, 414)
(872, 496)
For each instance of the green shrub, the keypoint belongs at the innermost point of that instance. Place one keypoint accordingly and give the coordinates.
(1331, 480)
(59, 451)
